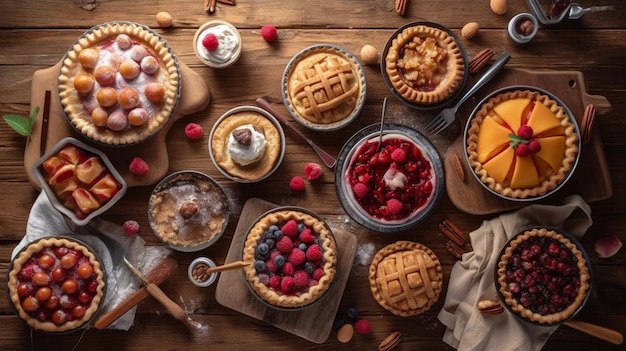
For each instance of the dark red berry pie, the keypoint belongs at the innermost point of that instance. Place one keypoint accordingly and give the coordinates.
(543, 276)
(56, 284)
(294, 255)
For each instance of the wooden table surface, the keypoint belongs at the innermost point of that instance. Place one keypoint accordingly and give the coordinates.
(36, 35)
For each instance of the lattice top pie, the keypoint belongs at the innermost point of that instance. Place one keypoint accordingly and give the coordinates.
(425, 65)
(543, 276)
(324, 87)
(294, 255)
(119, 84)
(522, 144)
(406, 278)
(56, 284)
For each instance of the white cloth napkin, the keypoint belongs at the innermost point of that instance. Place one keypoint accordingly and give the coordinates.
(44, 220)
(472, 280)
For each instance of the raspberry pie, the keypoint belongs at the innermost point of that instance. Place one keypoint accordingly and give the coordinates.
(425, 64)
(56, 284)
(522, 144)
(294, 255)
(406, 278)
(324, 87)
(119, 83)
(543, 276)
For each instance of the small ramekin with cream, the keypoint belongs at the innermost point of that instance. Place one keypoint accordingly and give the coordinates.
(229, 44)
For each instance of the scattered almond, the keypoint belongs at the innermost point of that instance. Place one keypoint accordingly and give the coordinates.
(345, 333)
(369, 55)
(470, 30)
(164, 19)
(499, 7)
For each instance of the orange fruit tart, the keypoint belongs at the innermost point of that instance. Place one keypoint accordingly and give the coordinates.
(522, 144)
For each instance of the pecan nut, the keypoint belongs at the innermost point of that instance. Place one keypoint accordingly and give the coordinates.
(453, 232)
(243, 136)
(489, 307)
(589, 117)
(401, 7)
(480, 59)
(391, 341)
(454, 249)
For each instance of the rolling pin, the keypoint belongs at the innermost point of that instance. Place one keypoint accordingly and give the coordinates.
(157, 275)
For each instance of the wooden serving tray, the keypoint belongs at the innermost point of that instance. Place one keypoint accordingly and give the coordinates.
(233, 292)
(195, 96)
(591, 178)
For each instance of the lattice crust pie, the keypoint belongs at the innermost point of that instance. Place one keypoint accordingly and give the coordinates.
(543, 276)
(406, 278)
(119, 83)
(295, 258)
(425, 65)
(521, 144)
(325, 86)
(56, 284)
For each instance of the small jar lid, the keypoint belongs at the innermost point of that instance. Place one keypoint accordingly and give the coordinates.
(523, 28)
(193, 273)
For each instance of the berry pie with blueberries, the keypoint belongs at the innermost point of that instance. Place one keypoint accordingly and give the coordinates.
(294, 255)
(543, 276)
(56, 284)
(119, 83)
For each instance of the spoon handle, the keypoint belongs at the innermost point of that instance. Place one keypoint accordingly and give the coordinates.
(328, 159)
(226, 267)
(606, 334)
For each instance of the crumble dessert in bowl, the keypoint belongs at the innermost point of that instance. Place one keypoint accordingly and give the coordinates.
(119, 83)
(323, 87)
(543, 276)
(522, 143)
(295, 258)
(217, 44)
(188, 211)
(79, 180)
(391, 188)
(247, 144)
(424, 65)
(56, 284)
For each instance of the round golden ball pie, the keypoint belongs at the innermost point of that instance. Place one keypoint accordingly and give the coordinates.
(405, 278)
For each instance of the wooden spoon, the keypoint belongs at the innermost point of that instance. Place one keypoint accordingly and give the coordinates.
(226, 267)
(606, 334)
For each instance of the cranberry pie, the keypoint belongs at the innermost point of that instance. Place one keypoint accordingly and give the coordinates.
(543, 276)
(294, 255)
(56, 284)
(406, 278)
(119, 83)
(425, 64)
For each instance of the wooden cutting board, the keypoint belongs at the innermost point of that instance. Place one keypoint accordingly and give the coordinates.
(233, 292)
(591, 179)
(195, 96)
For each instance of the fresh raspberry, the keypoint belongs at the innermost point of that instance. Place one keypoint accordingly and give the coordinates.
(297, 257)
(312, 282)
(290, 228)
(131, 227)
(138, 166)
(27, 272)
(268, 33)
(360, 190)
(210, 42)
(398, 155)
(193, 131)
(362, 326)
(287, 284)
(394, 206)
(288, 269)
(522, 150)
(313, 252)
(284, 245)
(296, 183)
(525, 132)
(275, 281)
(306, 236)
(312, 171)
(534, 146)
(271, 266)
(318, 274)
(301, 279)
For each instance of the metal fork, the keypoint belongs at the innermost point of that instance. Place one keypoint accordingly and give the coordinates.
(448, 115)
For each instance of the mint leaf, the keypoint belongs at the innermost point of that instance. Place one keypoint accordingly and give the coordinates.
(515, 140)
(22, 125)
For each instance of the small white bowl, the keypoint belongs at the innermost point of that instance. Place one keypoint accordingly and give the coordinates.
(199, 48)
(204, 283)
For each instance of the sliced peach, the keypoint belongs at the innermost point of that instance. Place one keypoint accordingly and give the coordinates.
(72, 154)
(85, 202)
(53, 164)
(105, 188)
(90, 170)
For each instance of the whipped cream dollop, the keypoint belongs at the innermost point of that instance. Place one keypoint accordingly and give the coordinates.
(248, 151)
(228, 43)
(394, 179)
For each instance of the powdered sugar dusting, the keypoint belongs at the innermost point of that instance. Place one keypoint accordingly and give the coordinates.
(364, 253)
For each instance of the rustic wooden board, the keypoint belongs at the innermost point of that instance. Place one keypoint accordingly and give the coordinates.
(195, 96)
(591, 179)
(232, 291)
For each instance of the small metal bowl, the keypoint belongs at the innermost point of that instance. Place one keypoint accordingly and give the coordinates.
(188, 228)
(58, 202)
(201, 261)
(518, 28)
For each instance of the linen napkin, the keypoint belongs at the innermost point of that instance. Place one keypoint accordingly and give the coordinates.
(44, 220)
(472, 280)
